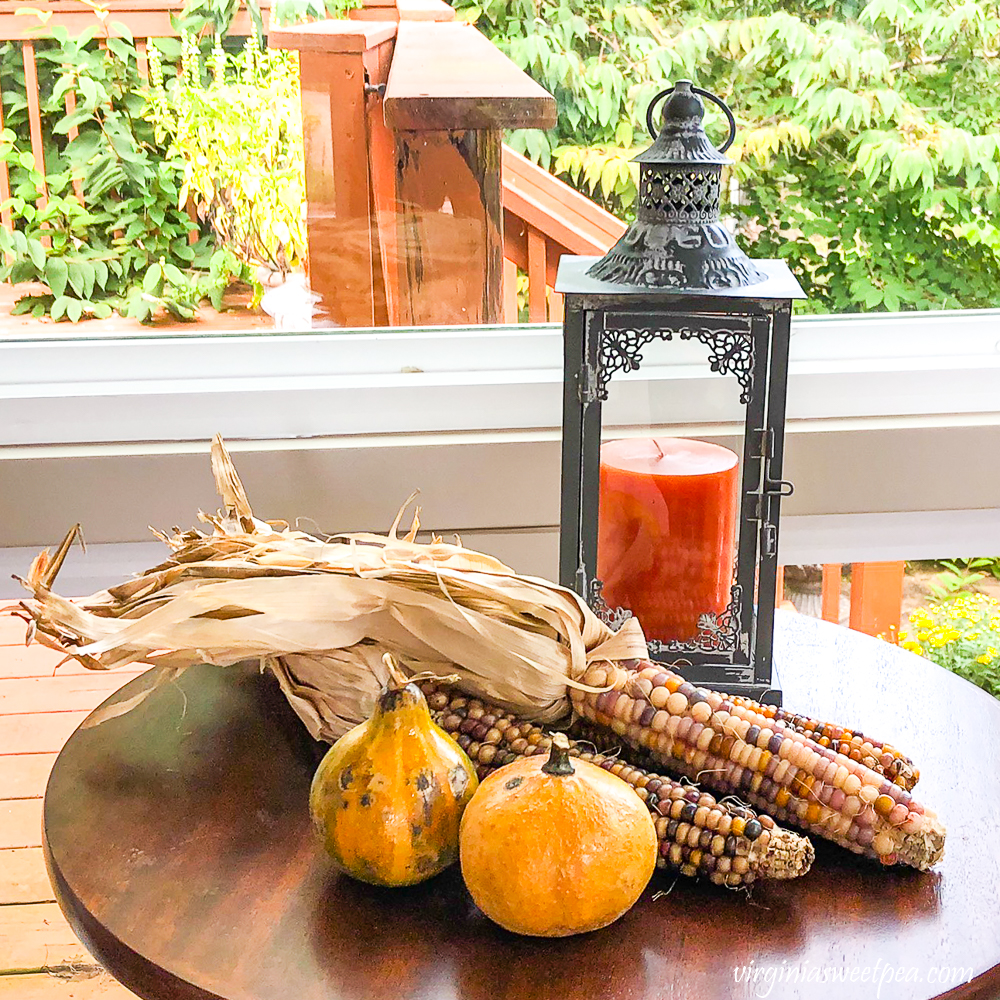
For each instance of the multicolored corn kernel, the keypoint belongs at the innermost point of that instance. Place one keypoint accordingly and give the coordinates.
(699, 836)
(731, 748)
(882, 758)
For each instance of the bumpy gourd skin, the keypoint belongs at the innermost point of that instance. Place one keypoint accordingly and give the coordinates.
(387, 798)
(554, 854)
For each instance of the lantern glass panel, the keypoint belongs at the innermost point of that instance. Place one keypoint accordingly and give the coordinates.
(670, 497)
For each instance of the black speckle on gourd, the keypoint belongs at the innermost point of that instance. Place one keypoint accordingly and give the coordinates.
(513, 783)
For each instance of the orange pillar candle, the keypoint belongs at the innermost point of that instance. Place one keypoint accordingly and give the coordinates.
(667, 531)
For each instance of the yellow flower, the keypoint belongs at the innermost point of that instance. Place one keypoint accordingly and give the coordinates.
(922, 636)
(985, 659)
(913, 647)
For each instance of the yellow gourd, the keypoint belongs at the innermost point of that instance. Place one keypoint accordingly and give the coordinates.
(556, 847)
(388, 796)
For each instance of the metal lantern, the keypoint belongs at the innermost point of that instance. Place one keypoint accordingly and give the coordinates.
(676, 277)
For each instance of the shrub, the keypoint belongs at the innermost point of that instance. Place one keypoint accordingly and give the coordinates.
(962, 635)
(239, 137)
(109, 232)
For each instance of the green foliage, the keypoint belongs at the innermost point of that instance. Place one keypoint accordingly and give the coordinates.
(103, 228)
(960, 575)
(868, 153)
(294, 11)
(961, 635)
(240, 139)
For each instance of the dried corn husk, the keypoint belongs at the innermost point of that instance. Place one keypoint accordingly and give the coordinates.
(319, 613)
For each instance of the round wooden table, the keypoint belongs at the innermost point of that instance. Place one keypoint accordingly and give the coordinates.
(179, 845)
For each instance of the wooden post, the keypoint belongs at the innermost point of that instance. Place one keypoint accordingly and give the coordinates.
(34, 116)
(510, 310)
(142, 59)
(449, 95)
(557, 307)
(405, 220)
(384, 197)
(5, 216)
(876, 596)
(343, 239)
(831, 592)
(536, 276)
(450, 227)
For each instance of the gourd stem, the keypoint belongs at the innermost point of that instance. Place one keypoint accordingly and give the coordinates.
(398, 678)
(559, 762)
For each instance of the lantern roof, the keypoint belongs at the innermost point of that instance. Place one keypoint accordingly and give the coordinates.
(779, 283)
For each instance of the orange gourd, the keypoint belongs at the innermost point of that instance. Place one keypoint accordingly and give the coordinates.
(388, 796)
(556, 847)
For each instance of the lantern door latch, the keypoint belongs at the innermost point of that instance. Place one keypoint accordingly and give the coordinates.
(771, 488)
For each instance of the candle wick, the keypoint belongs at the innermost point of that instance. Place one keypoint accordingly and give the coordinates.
(656, 444)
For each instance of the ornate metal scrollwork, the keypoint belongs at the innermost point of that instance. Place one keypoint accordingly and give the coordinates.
(614, 618)
(716, 633)
(731, 352)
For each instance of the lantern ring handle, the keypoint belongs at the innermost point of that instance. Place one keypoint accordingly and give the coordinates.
(702, 93)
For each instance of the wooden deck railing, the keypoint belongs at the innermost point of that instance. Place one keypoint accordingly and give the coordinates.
(545, 218)
(876, 595)
(144, 19)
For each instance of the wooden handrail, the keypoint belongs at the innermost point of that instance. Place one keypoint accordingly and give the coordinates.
(545, 218)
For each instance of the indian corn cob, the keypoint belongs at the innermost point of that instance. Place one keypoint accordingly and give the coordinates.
(728, 844)
(735, 749)
(889, 762)
(880, 757)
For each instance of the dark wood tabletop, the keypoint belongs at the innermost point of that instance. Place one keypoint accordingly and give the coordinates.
(178, 841)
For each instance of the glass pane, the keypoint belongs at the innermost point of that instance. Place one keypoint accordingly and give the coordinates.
(670, 499)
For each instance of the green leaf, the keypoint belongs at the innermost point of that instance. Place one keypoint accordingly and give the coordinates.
(37, 253)
(174, 275)
(59, 307)
(74, 120)
(74, 310)
(76, 278)
(56, 274)
(89, 91)
(101, 273)
(152, 283)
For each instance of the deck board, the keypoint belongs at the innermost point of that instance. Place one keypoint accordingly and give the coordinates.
(40, 956)
(21, 823)
(35, 937)
(84, 984)
(23, 878)
(24, 776)
(62, 693)
(42, 732)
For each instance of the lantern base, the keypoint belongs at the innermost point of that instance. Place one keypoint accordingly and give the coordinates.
(727, 680)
